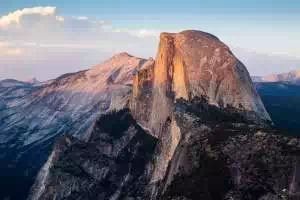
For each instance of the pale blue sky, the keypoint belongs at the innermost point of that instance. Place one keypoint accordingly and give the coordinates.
(94, 7)
(267, 27)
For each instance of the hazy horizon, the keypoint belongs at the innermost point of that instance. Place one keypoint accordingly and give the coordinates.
(51, 38)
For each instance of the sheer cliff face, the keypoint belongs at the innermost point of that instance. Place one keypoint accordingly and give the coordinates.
(222, 155)
(110, 165)
(195, 129)
(193, 64)
(190, 65)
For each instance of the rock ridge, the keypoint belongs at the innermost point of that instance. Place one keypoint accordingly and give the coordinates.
(199, 111)
(189, 65)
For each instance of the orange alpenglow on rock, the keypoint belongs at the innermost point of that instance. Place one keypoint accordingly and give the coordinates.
(191, 129)
(192, 64)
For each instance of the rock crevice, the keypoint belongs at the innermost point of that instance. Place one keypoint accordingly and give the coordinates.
(192, 119)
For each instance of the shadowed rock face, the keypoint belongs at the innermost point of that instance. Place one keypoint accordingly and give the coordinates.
(110, 165)
(33, 115)
(220, 155)
(197, 130)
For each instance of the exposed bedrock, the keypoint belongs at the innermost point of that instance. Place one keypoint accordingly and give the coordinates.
(188, 65)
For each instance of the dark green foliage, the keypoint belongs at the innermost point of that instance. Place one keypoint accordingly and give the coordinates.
(210, 180)
(223, 157)
(209, 113)
(115, 123)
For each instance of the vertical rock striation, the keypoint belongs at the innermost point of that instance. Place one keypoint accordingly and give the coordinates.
(195, 129)
(189, 65)
(193, 64)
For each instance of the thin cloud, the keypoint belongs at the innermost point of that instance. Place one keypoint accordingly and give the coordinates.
(4, 44)
(11, 51)
(43, 42)
(8, 49)
(83, 18)
(43, 27)
(15, 17)
(141, 33)
(60, 18)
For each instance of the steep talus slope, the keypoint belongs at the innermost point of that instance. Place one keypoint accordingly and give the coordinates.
(208, 132)
(32, 116)
(222, 155)
(110, 165)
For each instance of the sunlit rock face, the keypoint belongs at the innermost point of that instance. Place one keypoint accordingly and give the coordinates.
(196, 129)
(67, 99)
(33, 115)
(190, 64)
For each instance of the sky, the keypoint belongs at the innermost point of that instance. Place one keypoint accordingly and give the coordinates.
(46, 38)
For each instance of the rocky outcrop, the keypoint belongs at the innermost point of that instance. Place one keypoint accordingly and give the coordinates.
(190, 64)
(110, 165)
(195, 129)
(220, 155)
(33, 115)
(224, 156)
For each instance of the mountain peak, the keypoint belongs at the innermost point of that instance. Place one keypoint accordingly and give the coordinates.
(120, 66)
(32, 80)
(193, 64)
(292, 77)
(122, 55)
(195, 124)
(196, 34)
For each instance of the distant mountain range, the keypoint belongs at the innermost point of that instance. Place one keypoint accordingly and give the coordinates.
(289, 77)
(281, 96)
(33, 80)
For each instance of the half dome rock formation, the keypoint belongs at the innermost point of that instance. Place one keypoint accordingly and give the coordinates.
(195, 64)
(194, 128)
(190, 65)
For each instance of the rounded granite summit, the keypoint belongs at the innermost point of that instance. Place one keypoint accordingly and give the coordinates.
(193, 64)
